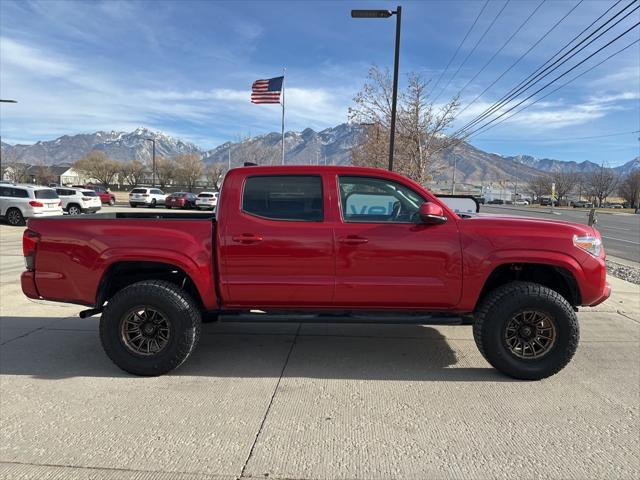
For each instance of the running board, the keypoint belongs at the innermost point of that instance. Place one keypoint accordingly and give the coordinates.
(378, 318)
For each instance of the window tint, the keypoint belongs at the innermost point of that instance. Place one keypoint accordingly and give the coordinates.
(206, 195)
(139, 190)
(89, 193)
(6, 192)
(284, 197)
(19, 193)
(368, 199)
(155, 191)
(45, 194)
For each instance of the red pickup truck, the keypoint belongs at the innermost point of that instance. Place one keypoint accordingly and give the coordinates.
(300, 242)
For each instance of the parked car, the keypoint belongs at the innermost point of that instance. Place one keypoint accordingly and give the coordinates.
(342, 239)
(104, 193)
(496, 201)
(181, 200)
(146, 197)
(76, 201)
(614, 205)
(546, 202)
(582, 204)
(18, 202)
(521, 201)
(207, 200)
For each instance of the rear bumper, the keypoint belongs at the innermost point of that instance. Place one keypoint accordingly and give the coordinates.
(50, 213)
(90, 209)
(28, 283)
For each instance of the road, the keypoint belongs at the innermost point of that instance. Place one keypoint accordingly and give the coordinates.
(311, 401)
(620, 232)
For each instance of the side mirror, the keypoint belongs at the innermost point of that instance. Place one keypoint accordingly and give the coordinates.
(432, 214)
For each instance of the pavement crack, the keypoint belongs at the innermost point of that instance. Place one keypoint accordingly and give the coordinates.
(627, 316)
(273, 396)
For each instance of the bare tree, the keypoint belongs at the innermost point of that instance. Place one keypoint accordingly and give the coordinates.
(17, 172)
(43, 175)
(214, 173)
(166, 169)
(420, 129)
(601, 183)
(132, 172)
(565, 182)
(539, 186)
(629, 189)
(97, 166)
(189, 169)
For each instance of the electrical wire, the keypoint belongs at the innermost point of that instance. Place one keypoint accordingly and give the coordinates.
(473, 49)
(459, 46)
(539, 74)
(502, 47)
(545, 35)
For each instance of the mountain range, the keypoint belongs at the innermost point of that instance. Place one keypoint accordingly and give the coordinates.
(328, 146)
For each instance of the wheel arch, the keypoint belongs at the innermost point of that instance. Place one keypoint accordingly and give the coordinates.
(124, 273)
(551, 276)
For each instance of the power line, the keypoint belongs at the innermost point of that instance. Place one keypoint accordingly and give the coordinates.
(560, 87)
(545, 35)
(459, 46)
(530, 82)
(554, 80)
(536, 140)
(473, 49)
(502, 47)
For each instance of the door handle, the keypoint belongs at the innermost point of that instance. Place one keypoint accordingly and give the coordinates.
(353, 240)
(247, 238)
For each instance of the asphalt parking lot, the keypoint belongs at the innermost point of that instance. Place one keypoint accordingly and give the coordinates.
(314, 401)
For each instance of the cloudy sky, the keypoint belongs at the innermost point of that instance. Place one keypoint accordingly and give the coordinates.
(186, 68)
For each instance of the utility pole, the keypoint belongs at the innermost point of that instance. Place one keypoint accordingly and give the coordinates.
(453, 179)
(153, 143)
(229, 152)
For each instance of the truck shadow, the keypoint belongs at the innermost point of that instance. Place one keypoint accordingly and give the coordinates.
(70, 348)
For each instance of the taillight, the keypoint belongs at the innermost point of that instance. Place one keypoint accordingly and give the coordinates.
(30, 240)
(86, 199)
(145, 194)
(33, 203)
(60, 203)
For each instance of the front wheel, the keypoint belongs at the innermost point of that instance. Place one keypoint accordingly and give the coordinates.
(153, 203)
(112, 202)
(74, 210)
(526, 330)
(150, 328)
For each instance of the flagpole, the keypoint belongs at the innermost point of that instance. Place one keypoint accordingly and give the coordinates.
(284, 73)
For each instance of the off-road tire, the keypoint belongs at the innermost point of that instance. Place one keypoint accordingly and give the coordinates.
(504, 303)
(174, 303)
(14, 217)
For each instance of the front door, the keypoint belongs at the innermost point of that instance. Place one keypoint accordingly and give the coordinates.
(278, 250)
(386, 258)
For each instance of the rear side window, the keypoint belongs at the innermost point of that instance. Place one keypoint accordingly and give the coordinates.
(45, 194)
(284, 197)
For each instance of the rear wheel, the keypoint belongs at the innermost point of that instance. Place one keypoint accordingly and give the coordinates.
(14, 217)
(74, 210)
(526, 330)
(150, 328)
(132, 205)
(112, 201)
(153, 203)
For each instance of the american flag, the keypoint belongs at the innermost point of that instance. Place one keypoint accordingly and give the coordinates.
(266, 91)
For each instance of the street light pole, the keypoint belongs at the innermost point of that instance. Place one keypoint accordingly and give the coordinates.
(153, 174)
(396, 64)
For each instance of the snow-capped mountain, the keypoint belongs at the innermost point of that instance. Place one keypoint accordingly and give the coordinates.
(117, 145)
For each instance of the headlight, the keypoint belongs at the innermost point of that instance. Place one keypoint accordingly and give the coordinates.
(588, 243)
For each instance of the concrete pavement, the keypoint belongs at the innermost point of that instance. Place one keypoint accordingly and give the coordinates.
(316, 401)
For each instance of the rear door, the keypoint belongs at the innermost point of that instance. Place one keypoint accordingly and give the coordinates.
(276, 248)
(387, 258)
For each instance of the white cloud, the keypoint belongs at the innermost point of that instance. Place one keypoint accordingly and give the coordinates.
(15, 54)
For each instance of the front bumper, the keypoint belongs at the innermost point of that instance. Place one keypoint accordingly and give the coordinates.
(606, 293)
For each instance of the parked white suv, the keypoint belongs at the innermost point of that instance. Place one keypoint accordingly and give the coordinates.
(18, 202)
(207, 200)
(148, 197)
(76, 201)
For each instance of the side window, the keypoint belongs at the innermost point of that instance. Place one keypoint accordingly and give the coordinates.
(284, 197)
(157, 192)
(19, 193)
(5, 192)
(376, 200)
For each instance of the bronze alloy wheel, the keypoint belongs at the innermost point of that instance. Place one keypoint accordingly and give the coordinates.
(145, 331)
(530, 334)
